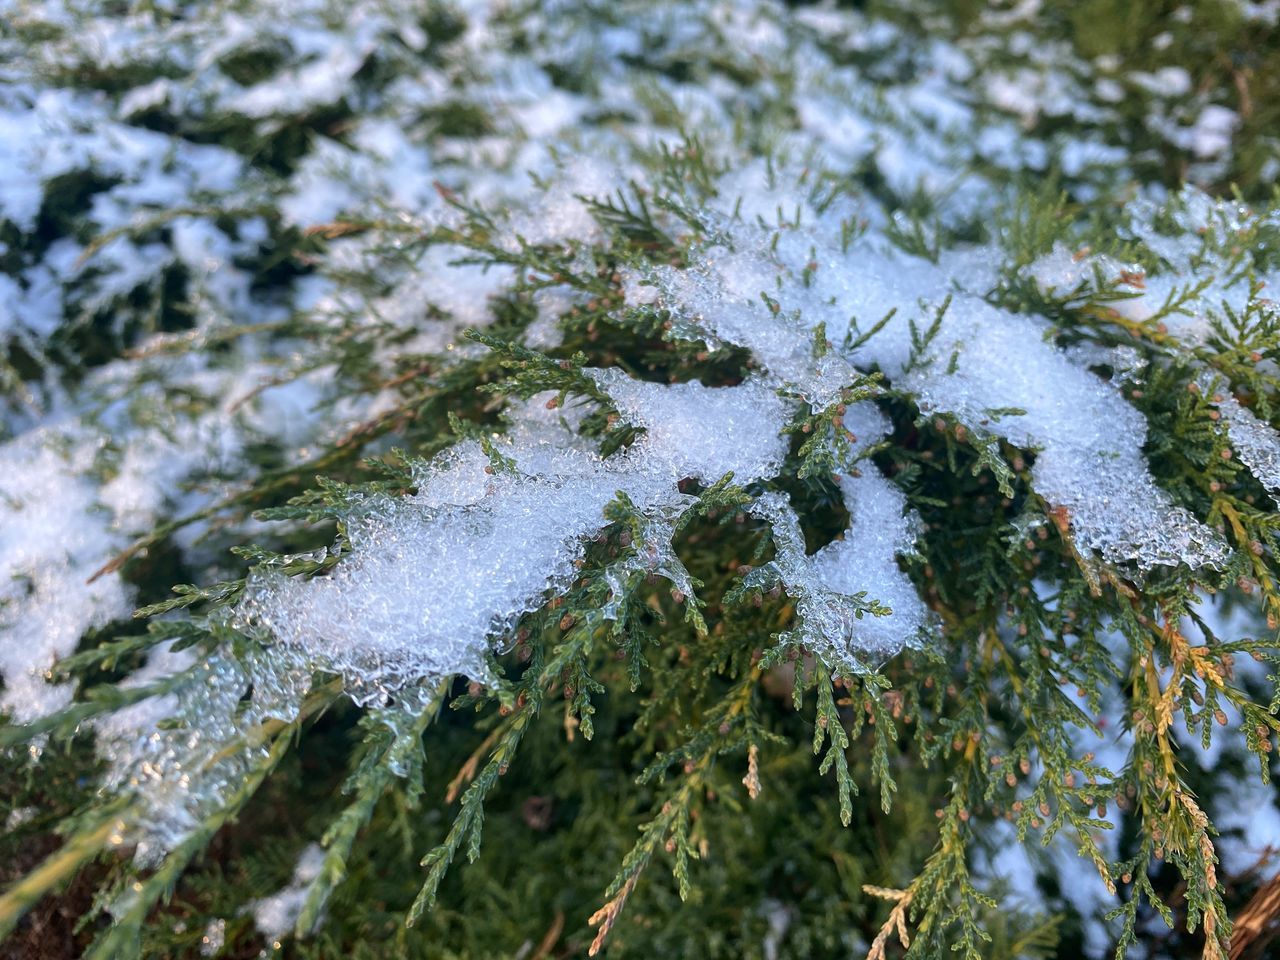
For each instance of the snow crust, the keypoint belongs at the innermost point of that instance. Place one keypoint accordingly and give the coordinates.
(993, 371)
(432, 577)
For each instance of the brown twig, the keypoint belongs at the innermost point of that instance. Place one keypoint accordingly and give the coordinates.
(1257, 924)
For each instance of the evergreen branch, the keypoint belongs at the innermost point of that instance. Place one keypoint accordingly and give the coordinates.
(670, 827)
(396, 753)
(87, 842)
(101, 699)
(468, 823)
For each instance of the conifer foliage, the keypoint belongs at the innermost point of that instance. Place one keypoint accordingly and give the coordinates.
(648, 478)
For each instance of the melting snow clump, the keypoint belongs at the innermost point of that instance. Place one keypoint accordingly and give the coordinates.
(275, 916)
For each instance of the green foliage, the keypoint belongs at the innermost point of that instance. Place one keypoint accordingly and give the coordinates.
(656, 768)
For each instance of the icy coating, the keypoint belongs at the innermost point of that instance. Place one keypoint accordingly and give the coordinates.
(1205, 287)
(433, 577)
(1256, 443)
(1203, 275)
(182, 772)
